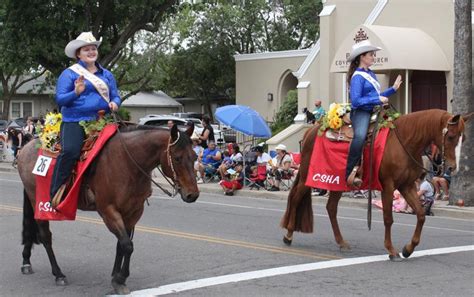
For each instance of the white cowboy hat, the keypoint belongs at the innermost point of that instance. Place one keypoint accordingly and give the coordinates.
(85, 38)
(281, 147)
(361, 48)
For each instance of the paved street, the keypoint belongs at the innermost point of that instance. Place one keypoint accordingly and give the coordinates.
(218, 235)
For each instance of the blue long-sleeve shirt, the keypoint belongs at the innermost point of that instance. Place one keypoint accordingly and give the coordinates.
(363, 94)
(85, 106)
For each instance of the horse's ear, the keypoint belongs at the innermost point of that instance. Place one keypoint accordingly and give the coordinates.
(174, 132)
(190, 129)
(468, 116)
(454, 120)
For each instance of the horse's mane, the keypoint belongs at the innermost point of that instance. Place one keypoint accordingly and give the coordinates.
(183, 141)
(414, 126)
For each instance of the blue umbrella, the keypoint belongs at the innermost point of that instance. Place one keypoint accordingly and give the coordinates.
(243, 119)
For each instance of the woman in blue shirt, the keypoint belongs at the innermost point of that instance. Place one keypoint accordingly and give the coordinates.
(81, 91)
(364, 95)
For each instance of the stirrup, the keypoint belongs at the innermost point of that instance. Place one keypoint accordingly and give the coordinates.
(353, 181)
(58, 197)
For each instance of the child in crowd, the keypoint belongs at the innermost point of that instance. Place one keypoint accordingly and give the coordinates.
(426, 193)
(233, 180)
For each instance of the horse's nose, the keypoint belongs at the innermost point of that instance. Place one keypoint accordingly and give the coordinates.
(191, 197)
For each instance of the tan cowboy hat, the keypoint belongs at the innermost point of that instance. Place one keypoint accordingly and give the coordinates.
(85, 38)
(194, 136)
(361, 48)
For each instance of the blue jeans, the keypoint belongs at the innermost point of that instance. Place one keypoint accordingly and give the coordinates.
(360, 123)
(72, 137)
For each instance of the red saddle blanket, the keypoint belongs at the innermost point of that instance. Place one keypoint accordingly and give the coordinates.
(327, 169)
(66, 210)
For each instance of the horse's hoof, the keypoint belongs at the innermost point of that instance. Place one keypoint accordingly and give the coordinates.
(345, 247)
(61, 281)
(120, 289)
(286, 240)
(26, 269)
(395, 258)
(406, 253)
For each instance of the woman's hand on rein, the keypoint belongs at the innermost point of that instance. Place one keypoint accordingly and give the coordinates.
(79, 85)
(397, 82)
(383, 99)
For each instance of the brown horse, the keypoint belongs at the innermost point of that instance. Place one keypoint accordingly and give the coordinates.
(398, 171)
(117, 188)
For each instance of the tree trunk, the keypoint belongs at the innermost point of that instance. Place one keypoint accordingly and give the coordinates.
(6, 98)
(462, 186)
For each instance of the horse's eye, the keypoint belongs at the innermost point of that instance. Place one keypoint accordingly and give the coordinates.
(177, 159)
(451, 138)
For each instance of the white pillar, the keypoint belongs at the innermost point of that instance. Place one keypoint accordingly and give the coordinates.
(406, 91)
(344, 88)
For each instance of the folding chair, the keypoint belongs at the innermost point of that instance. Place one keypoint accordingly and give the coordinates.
(211, 173)
(259, 179)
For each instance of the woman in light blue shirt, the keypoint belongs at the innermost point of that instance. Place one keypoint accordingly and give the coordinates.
(365, 94)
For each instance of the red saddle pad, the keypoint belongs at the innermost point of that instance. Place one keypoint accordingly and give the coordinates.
(327, 168)
(66, 210)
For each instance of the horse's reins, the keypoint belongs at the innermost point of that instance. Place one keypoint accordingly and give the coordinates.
(443, 157)
(371, 160)
(117, 119)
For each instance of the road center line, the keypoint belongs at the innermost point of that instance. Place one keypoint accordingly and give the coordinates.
(258, 274)
(317, 215)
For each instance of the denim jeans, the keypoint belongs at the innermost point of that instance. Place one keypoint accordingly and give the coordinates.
(72, 137)
(360, 123)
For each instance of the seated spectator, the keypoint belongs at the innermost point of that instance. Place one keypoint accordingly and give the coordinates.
(197, 148)
(235, 158)
(227, 160)
(280, 167)
(426, 193)
(233, 180)
(442, 183)
(262, 157)
(209, 160)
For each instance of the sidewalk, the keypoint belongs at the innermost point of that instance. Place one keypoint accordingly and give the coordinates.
(440, 208)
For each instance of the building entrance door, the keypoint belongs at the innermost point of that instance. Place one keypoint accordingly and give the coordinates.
(428, 90)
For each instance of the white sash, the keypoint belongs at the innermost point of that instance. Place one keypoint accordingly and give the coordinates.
(98, 83)
(370, 79)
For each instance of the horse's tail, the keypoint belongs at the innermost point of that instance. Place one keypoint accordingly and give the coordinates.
(30, 233)
(299, 210)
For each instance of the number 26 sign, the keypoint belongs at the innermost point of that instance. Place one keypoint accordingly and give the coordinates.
(42, 165)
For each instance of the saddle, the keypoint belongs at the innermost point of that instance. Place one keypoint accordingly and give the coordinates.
(346, 133)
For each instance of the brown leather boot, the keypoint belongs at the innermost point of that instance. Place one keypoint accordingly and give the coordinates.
(58, 197)
(353, 180)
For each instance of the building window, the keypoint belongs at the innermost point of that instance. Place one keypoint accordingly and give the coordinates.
(21, 109)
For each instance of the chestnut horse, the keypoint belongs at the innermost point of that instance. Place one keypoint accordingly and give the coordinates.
(401, 165)
(117, 189)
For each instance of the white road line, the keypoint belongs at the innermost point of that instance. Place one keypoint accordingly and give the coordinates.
(318, 215)
(251, 275)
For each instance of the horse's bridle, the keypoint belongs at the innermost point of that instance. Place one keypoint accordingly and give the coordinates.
(175, 184)
(443, 150)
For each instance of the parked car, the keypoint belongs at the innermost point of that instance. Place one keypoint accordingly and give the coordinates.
(186, 115)
(3, 125)
(162, 121)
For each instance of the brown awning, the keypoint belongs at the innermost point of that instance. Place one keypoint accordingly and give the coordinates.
(402, 48)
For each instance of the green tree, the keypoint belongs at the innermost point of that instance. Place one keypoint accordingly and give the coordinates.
(211, 32)
(34, 33)
(288, 111)
(462, 186)
(203, 71)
